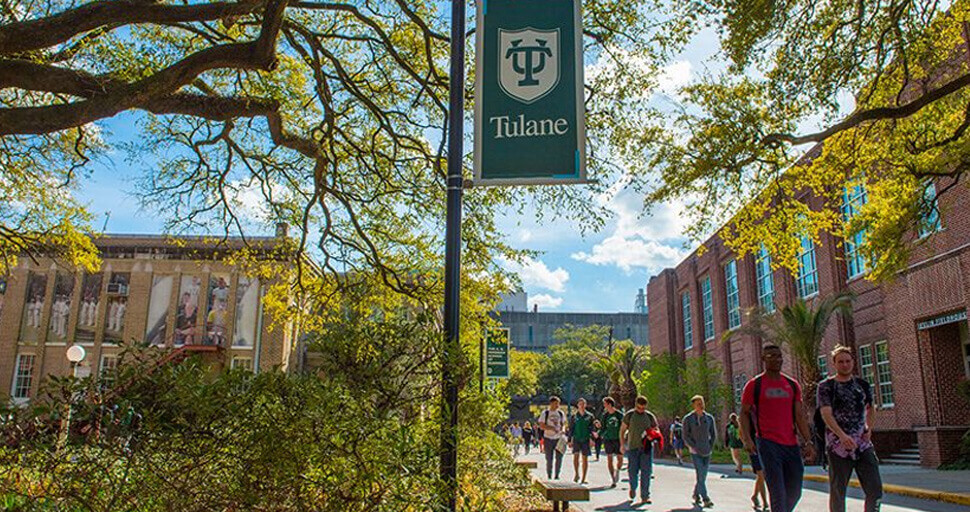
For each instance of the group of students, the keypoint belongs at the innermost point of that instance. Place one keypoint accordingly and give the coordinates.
(772, 419)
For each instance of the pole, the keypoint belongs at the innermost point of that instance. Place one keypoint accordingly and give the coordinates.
(452, 348)
(481, 365)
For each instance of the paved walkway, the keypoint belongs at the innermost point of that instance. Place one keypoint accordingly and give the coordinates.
(671, 489)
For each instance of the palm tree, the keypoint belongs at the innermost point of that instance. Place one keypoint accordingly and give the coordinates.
(800, 327)
(626, 359)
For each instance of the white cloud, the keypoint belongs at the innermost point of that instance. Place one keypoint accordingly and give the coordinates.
(628, 253)
(650, 241)
(534, 273)
(544, 301)
(674, 76)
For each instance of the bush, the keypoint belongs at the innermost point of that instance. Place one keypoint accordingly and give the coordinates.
(182, 437)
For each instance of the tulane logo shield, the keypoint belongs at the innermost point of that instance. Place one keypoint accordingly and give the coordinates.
(528, 63)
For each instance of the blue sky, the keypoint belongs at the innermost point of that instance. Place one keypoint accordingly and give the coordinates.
(600, 272)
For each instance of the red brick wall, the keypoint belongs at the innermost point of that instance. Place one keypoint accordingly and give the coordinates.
(934, 284)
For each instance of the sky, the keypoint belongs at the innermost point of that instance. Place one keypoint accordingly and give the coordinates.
(598, 272)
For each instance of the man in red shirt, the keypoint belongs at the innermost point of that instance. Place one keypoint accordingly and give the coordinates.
(771, 409)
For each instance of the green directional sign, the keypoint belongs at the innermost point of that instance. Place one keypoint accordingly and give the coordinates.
(529, 115)
(497, 353)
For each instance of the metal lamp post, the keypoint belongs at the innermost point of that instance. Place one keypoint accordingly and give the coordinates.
(75, 354)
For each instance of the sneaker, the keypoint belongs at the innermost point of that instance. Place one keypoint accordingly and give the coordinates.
(576, 479)
(697, 500)
(708, 503)
(613, 485)
(755, 503)
(633, 494)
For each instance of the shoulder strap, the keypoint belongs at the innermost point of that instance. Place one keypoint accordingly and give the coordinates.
(757, 400)
(793, 384)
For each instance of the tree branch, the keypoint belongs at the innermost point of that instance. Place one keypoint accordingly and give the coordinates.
(874, 114)
(42, 33)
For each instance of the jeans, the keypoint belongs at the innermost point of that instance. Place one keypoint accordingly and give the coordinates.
(867, 468)
(701, 465)
(640, 464)
(783, 474)
(550, 448)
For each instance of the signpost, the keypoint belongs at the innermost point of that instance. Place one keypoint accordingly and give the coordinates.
(497, 353)
(529, 115)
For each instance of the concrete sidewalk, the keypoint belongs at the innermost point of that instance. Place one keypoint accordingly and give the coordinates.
(731, 492)
(913, 481)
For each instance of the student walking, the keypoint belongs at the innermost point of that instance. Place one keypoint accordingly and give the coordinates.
(771, 409)
(552, 422)
(634, 427)
(845, 402)
(581, 437)
(611, 421)
(516, 432)
(733, 441)
(597, 438)
(759, 498)
(700, 436)
(677, 439)
(527, 436)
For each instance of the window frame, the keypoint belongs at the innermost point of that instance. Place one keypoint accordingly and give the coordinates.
(884, 379)
(22, 385)
(687, 328)
(707, 308)
(103, 371)
(235, 363)
(852, 199)
(805, 276)
(764, 280)
(733, 303)
(928, 225)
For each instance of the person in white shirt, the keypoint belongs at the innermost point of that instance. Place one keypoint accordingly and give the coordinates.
(552, 422)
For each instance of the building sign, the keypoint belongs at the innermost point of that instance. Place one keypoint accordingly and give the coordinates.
(942, 320)
(497, 353)
(529, 113)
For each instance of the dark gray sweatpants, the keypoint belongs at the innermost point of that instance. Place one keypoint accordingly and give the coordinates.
(866, 467)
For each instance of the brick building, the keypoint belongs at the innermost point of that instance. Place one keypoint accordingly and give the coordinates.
(910, 336)
(148, 289)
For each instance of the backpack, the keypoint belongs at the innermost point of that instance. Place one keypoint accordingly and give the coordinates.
(757, 399)
(544, 417)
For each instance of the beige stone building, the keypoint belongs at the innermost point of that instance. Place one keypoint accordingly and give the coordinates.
(182, 296)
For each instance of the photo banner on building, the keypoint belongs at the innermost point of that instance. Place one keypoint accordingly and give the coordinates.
(497, 353)
(529, 111)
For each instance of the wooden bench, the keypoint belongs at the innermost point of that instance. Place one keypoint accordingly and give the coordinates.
(561, 493)
(527, 464)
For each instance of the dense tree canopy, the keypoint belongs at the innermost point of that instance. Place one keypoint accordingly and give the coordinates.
(882, 85)
(329, 115)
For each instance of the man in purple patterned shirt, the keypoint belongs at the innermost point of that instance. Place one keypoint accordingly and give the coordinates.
(845, 402)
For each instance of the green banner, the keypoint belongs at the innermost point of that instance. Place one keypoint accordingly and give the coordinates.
(529, 115)
(497, 353)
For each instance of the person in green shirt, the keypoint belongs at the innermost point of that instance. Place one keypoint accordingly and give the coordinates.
(635, 425)
(612, 418)
(581, 436)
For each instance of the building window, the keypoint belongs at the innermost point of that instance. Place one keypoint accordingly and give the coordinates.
(739, 381)
(965, 341)
(23, 377)
(823, 367)
(109, 365)
(765, 280)
(733, 295)
(883, 374)
(852, 200)
(531, 342)
(629, 333)
(865, 364)
(807, 282)
(930, 223)
(708, 309)
(688, 329)
(242, 363)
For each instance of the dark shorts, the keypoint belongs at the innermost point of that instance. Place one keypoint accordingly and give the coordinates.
(612, 446)
(581, 447)
(678, 444)
(755, 462)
